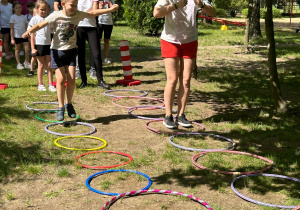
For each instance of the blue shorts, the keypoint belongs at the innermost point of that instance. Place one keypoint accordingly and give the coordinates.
(5, 30)
(61, 58)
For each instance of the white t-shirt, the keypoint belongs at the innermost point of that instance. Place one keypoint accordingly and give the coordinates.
(42, 36)
(64, 35)
(5, 14)
(19, 25)
(85, 5)
(180, 25)
(106, 19)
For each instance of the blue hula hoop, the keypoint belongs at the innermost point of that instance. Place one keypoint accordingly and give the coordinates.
(88, 181)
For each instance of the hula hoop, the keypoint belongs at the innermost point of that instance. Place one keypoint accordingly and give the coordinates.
(124, 90)
(88, 181)
(40, 110)
(69, 123)
(91, 137)
(138, 192)
(258, 202)
(298, 207)
(137, 97)
(37, 117)
(168, 132)
(201, 134)
(229, 172)
(27, 101)
(145, 106)
(102, 167)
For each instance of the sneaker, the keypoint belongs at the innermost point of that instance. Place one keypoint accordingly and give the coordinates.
(93, 74)
(3, 54)
(27, 65)
(41, 88)
(70, 110)
(31, 73)
(21, 53)
(169, 122)
(51, 88)
(77, 74)
(183, 121)
(107, 60)
(46, 72)
(103, 85)
(60, 115)
(20, 66)
(83, 85)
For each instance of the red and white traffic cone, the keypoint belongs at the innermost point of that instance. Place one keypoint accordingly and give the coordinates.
(126, 64)
(2, 85)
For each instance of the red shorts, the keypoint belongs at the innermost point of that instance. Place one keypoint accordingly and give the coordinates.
(171, 50)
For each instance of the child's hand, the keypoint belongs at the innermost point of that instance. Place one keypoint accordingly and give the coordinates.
(114, 7)
(198, 2)
(181, 3)
(25, 35)
(13, 41)
(34, 51)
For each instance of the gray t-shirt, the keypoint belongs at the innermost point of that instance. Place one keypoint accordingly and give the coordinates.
(64, 29)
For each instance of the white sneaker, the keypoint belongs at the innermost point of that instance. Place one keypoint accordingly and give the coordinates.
(46, 72)
(27, 65)
(20, 66)
(77, 74)
(41, 88)
(21, 53)
(93, 74)
(3, 54)
(107, 60)
(51, 88)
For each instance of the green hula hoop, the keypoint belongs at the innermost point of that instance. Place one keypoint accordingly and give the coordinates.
(91, 137)
(37, 117)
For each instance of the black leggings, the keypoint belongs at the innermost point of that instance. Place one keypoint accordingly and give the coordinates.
(91, 35)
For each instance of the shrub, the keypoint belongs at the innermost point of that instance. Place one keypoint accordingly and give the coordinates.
(139, 16)
(118, 15)
(276, 13)
(220, 12)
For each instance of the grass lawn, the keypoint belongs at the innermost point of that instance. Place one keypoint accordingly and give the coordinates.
(231, 97)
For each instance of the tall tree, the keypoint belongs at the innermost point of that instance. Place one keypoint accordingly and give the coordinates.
(280, 104)
(254, 19)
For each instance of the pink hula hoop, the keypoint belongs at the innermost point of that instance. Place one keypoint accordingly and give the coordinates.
(230, 172)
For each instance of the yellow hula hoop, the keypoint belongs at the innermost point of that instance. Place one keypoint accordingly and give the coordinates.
(91, 137)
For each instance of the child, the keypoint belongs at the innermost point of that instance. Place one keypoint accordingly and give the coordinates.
(40, 46)
(179, 43)
(18, 25)
(5, 14)
(63, 49)
(30, 14)
(105, 26)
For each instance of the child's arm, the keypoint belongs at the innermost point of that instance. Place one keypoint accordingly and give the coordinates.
(56, 6)
(35, 28)
(32, 43)
(98, 12)
(12, 33)
(101, 4)
(110, 3)
(160, 12)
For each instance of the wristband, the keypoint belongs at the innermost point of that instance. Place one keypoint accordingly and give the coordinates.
(175, 6)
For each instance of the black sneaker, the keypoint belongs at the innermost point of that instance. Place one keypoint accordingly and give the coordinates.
(71, 110)
(103, 85)
(169, 122)
(83, 85)
(183, 121)
(60, 113)
(31, 73)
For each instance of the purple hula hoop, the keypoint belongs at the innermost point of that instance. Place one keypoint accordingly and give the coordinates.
(258, 202)
(39, 110)
(138, 192)
(146, 118)
(136, 97)
(69, 123)
(109, 91)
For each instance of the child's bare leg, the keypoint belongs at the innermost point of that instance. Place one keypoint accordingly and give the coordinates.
(60, 85)
(17, 52)
(171, 65)
(186, 67)
(48, 68)
(27, 51)
(71, 83)
(41, 61)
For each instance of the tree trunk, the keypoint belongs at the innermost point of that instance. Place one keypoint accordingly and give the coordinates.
(280, 104)
(254, 19)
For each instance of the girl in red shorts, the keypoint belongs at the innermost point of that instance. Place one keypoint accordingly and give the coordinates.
(179, 43)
